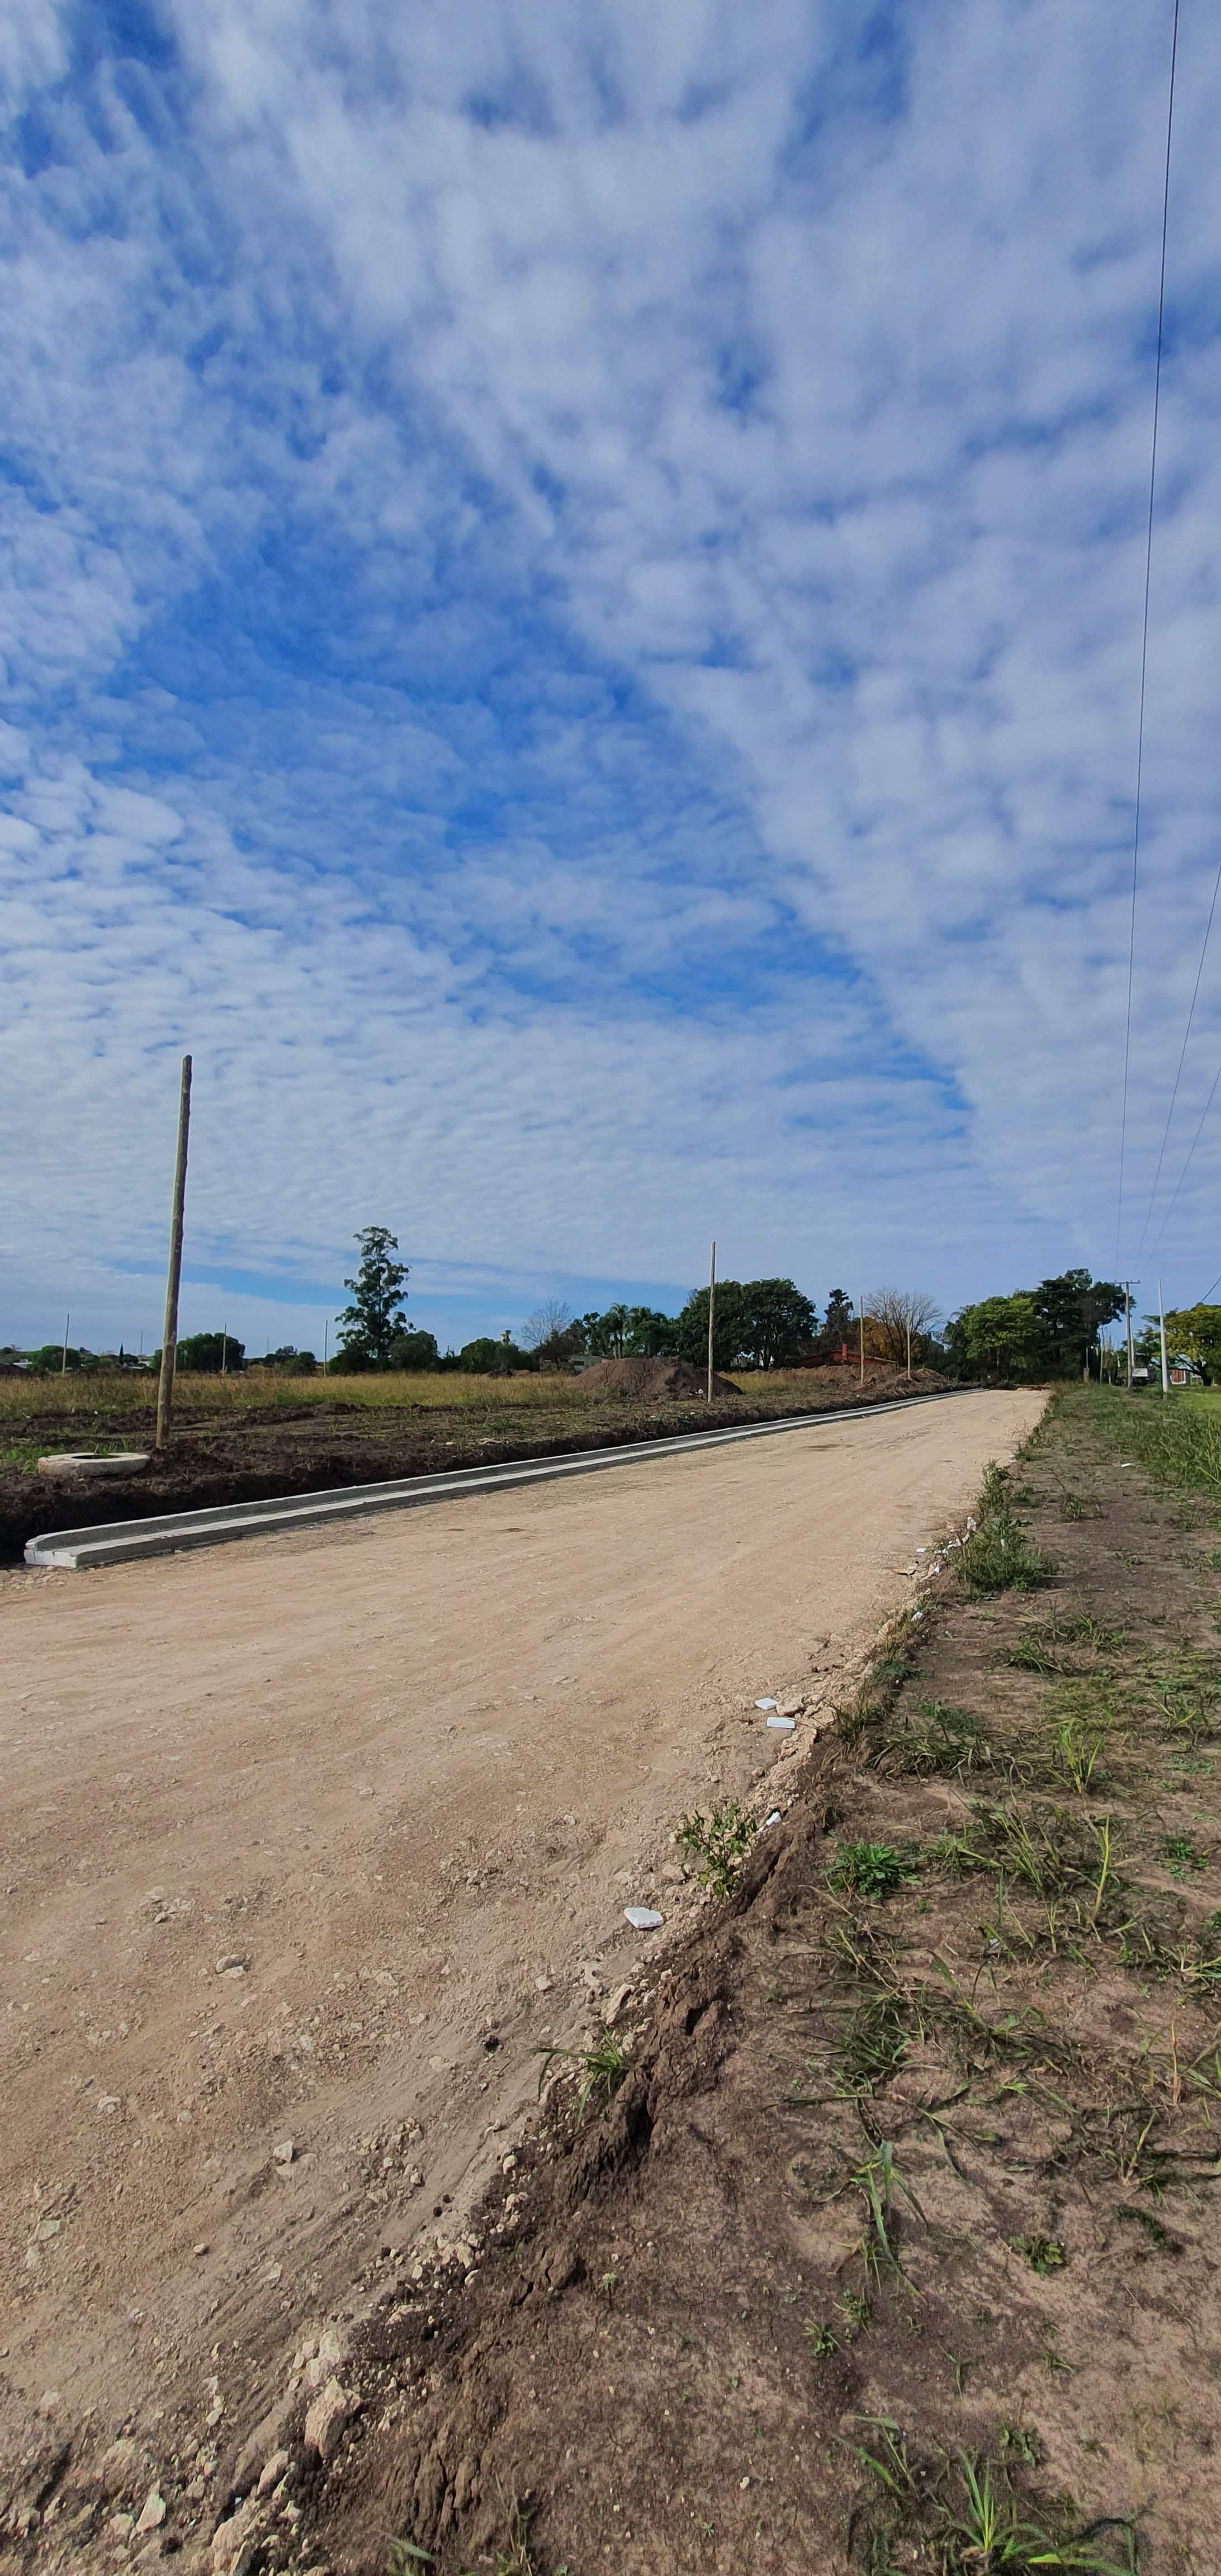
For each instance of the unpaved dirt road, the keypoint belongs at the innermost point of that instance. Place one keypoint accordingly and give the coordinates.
(319, 1839)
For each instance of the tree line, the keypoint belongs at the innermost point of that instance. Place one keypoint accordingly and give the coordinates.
(1028, 1336)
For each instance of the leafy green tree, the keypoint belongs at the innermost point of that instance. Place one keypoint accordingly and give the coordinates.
(997, 1337)
(776, 1323)
(485, 1357)
(691, 1332)
(1071, 1311)
(414, 1350)
(839, 1325)
(650, 1334)
(372, 1323)
(632, 1332)
(1196, 1331)
(206, 1353)
(288, 1359)
(49, 1359)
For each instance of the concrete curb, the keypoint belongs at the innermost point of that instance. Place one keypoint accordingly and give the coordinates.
(118, 1542)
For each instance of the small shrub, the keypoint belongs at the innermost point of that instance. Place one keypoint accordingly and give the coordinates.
(872, 1869)
(1045, 2254)
(998, 1557)
(603, 2071)
(719, 1843)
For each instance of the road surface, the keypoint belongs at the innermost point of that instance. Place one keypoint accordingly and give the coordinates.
(320, 1838)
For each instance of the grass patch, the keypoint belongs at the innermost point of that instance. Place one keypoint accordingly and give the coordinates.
(1045, 2254)
(1182, 1854)
(603, 2070)
(947, 1743)
(873, 1870)
(998, 1557)
(719, 1843)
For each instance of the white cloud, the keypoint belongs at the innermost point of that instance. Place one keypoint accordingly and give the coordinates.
(809, 391)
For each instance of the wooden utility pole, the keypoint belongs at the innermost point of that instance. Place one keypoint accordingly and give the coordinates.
(326, 1344)
(1161, 1317)
(909, 1345)
(862, 1303)
(224, 1350)
(1127, 1314)
(63, 1365)
(711, 1312)
(169, 1338)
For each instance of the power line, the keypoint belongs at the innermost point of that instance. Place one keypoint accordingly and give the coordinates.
(1144, 645)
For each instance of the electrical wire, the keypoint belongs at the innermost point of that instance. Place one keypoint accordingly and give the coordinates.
(1144, 646)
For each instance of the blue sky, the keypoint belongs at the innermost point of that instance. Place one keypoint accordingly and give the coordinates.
(572, 631)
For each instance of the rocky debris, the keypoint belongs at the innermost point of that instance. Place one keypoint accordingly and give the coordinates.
(153, 2513)
(236, 2542)
(284, 2153)
(118, 2470)
(327, 2418)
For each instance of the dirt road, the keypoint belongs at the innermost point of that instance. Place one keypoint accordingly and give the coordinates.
(319, 1839)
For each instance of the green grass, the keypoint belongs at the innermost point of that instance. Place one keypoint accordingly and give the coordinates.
(948, 1742)
(998, 1557)
(603, 2069)
(872, 1870)
(719, 1843)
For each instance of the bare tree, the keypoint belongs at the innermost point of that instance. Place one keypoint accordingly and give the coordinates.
(903, 1316)
(549, 1331)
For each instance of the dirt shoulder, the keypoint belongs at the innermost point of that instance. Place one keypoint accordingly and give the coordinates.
(252, 1450)
(896, 2246)
(319, 1840)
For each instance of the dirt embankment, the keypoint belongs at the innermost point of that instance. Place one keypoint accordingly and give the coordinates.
(267, 1451)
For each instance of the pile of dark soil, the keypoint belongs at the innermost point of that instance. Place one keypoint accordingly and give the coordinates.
(651, 1379)
(886, 2241)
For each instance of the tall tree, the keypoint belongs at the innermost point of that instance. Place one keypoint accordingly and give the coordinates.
(1071, 1310)
(376, 1316)
(839, 1324)
(776, 1322)
(692, 1326)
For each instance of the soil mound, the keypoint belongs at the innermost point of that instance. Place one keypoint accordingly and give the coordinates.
(640, 1377)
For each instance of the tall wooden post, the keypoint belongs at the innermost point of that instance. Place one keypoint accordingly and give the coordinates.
(1127, 1313)
(1161, 1317)
(169, 1338)
(862, 1339)
(711, 1311)
(63, 1364)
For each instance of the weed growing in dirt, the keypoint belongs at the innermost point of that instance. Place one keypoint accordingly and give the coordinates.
(874, 2045)
(965, 2516)
(1048, 1850)
(1182, 1853)
(405, 2558)
(1045, 2254)
(604, 2069)
(873, 1870)
(950, 1743)
(719, 1843)
(998, 1557)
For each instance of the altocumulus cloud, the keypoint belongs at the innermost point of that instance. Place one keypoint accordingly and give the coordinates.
(573, 630)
